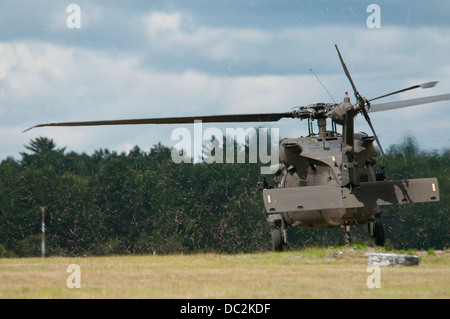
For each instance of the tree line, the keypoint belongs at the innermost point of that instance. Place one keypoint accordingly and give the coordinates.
(142, 203)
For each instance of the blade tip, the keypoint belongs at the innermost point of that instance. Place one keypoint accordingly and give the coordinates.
(429, 84)
(30, 128)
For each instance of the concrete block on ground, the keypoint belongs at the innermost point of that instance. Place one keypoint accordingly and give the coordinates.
(393, 260)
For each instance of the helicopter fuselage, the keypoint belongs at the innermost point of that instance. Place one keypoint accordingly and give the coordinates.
(311, 167)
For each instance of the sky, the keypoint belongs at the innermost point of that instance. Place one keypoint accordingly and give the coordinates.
(107, 60)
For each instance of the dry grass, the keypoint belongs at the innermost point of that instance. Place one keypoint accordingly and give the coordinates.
(313, 273)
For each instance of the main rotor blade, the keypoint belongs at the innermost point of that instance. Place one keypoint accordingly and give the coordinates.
(366, 116)
(347, 73)
(423, 86)
(362, 101)
(399, 104)
(261, 117)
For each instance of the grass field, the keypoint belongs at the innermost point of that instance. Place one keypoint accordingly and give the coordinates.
(310, 273)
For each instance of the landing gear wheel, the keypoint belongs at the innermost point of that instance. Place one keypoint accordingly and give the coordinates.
(347, 236)
(348, 239)
(379, 233)
(370, 228)
(277, 240)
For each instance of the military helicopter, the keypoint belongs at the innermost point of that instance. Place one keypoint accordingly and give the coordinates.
(326, 179)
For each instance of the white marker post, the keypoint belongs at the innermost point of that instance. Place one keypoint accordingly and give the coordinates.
(43, 232)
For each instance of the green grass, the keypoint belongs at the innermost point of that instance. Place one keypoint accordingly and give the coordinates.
(339, 272)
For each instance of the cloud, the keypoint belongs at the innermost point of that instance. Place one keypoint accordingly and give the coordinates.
(178, 39)
(161, 22)
(70, 84)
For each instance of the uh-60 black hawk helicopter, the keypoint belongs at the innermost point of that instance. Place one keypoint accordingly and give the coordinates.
(326, 179)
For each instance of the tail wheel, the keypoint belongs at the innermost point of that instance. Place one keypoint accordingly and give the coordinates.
(379, 233)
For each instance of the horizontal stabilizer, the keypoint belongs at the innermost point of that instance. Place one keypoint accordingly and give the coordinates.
(400, 192)
(295, 199)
